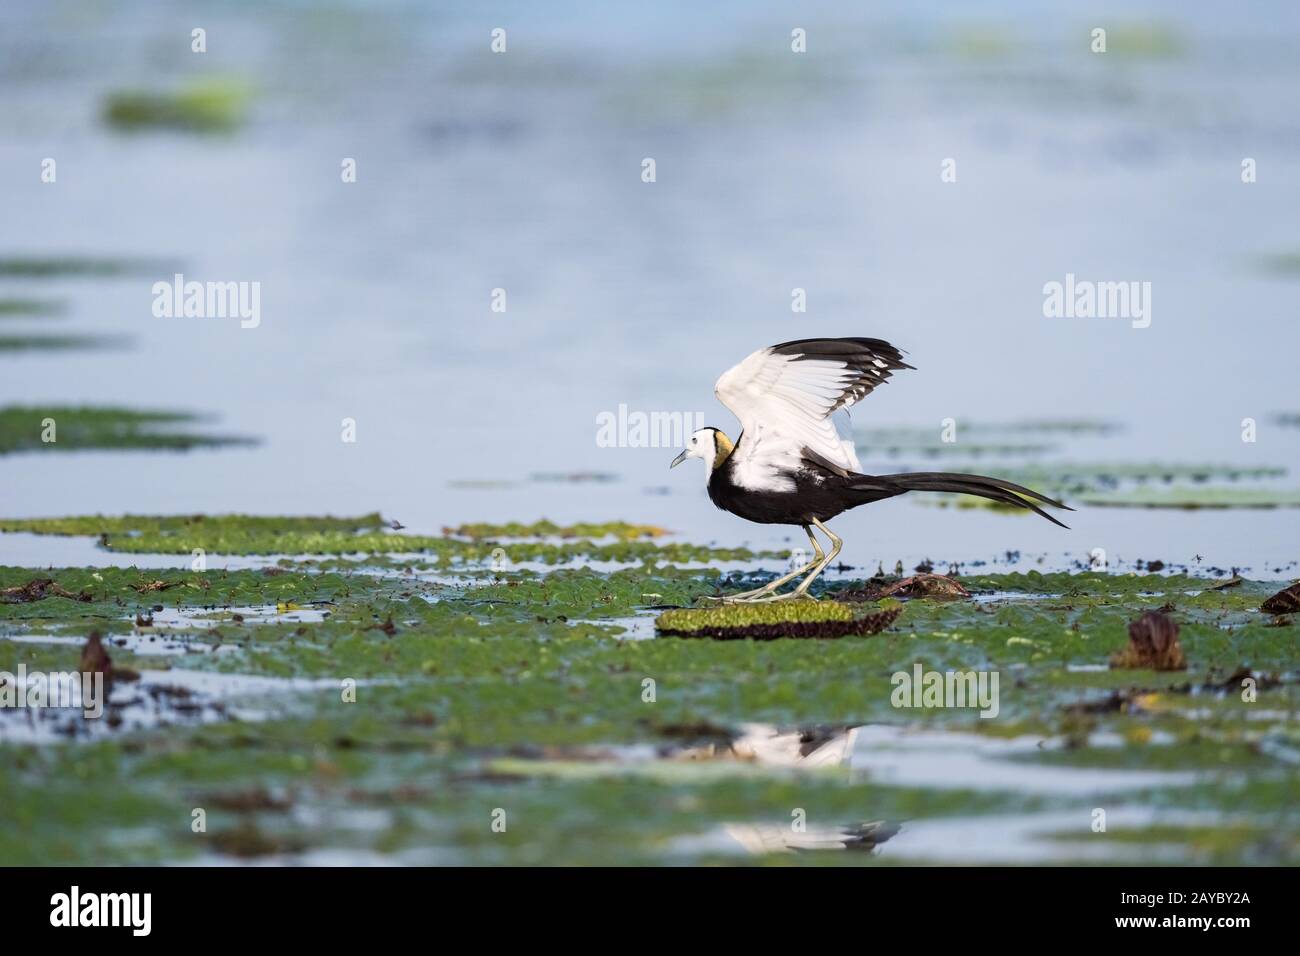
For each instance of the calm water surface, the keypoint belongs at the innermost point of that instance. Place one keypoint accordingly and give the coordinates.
(774, 171)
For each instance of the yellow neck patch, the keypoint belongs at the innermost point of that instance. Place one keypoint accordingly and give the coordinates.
(724, 448)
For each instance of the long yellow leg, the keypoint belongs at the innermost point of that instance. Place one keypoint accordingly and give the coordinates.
(836, 544)
(802, 591)
(819, 566)
(771, 586)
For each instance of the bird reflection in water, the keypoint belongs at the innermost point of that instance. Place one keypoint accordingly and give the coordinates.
(816, 747)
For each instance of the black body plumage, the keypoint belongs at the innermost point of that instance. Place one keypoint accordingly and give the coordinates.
(821, 493)
(821, 489)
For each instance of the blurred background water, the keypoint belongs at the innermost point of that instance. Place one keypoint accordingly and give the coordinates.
(774, 170)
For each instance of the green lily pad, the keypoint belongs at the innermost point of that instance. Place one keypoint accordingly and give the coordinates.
(207, 106)
(1196, 498)
(548, 529)
(249, 535)
(11, 308)
(25, 428)
(65, 267)
(59, 343)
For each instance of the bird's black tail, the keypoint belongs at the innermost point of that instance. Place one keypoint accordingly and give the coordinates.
(994, 489)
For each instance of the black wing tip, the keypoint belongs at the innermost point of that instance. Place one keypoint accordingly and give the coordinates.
(846, 349)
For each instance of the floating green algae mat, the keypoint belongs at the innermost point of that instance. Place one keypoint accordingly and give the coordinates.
(1196, 498)
(1283, 264)
(738, 615)
(369, 534)
(1027, 438)
(208, 106)
(933, 447)
(11, 308)
(927, 434)
(423, 707)
(1137, 484)
(1107, 474)
(548, 529)
(793, 618)
(1048, 426)
(77, 428)
(99, 525)
(61, 267)
(58, 343)
(1152, 40)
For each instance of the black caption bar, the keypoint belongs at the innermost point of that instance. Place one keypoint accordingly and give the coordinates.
(333, 905)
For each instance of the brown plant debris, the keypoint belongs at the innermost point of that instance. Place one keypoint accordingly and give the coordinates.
(1232, 582)
(95, 660)
(1233, 682)
(1152, 645)
(247, 841)
(695, 730)
(246, 801)
(1286, 601)
(916, 586)
(38, 589)
(151, 586)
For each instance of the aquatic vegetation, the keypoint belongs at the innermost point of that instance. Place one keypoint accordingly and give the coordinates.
(75, 428)
(934, 447)
(981, 42)
(38, 589)
(1103, 484)
(1282, 264)
(581, 593)
(1073, 427)
(58, 343)
(993, 439)
(104, 595)
(783, 619)
(250, 535)
(1196, 498)
(422, 705)
(206, 106)
(1152, 644)
(217, 540)
(65, 267)
(11, 308)
(99, 525)
(1082, 475)
(1113, 484)
(1146, 40)
(574, 477)
(923, 585)
(1286, 601)
(739, 615)
(548, 529)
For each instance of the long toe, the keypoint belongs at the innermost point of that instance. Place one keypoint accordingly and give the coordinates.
(784, 596)
(746, 598)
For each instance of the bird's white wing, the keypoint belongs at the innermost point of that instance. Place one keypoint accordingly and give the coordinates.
(784, 397)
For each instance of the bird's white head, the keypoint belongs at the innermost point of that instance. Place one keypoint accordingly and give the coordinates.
(708, 444)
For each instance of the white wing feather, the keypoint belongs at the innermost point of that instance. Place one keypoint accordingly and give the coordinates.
(784, 400)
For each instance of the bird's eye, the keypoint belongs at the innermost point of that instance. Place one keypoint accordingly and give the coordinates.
(694, 441)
